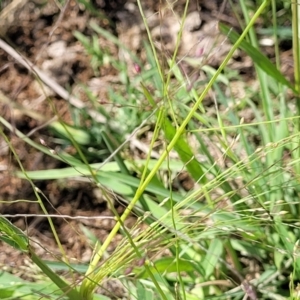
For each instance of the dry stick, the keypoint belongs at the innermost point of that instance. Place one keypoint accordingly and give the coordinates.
(51, 83)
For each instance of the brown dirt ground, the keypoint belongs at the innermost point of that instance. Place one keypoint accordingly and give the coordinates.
(31, 30)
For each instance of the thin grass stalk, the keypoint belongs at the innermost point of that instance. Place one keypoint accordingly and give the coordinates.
(56, 279)
(296, 43)
(296, 53)
(150, 40)
(262, 77)
(172, 64)
(28, 140)
(269, 133)
(90, 282)
(39, 200)
(283, 126)
(86, 282)
(67, 290)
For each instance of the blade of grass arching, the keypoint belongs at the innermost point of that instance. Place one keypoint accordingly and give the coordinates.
(17, 239)
(63, 156)
(28, 140)
(147, 203)
(87, 284)
(153, 206)
(13, 236)
(81, 137)
(80, 169)
(117, 182)
(125, 181)
(257, 56)
(67, 290)
(167, 265)
(156, 210)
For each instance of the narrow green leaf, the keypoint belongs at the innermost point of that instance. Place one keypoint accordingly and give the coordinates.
(169, 265)
(259, 59)
(185, 153)
(144, 293)
(213, 254)
(6, 292)
(80, 136)
(28, 290)
(81, 169)
(13, 236)
(116, 181)
(67, 289)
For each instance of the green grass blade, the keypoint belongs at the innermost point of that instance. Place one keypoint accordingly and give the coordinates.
(12, 235)
(212, 258)
(68, 290)
(16, 238)
(185, 153)
(168, 265)
(259, 59)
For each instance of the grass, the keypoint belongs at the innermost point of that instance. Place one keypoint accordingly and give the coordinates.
(234, 235)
